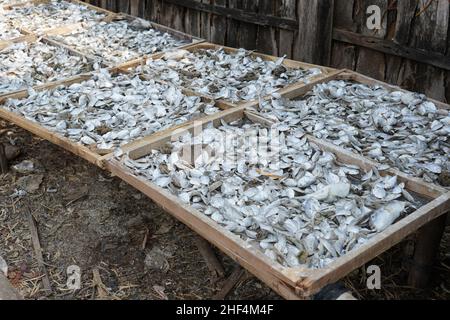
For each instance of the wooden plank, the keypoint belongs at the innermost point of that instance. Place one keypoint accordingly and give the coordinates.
(218, 25)
(406, 10)
(176, 33)
(390, 47)
(288, 9)
(38, 252)
(141, 147)
(343, 55)
(192, 21)
(176, 15)
(211, 260)
(7, 291)
(315, 31)
(233, 245)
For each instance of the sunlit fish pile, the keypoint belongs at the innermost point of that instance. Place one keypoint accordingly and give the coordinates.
(401, 130)
(234, 77)
(44, 16)
(306, 209)
(107, 111)
(28, 64)
(7, 30)
(120, 41)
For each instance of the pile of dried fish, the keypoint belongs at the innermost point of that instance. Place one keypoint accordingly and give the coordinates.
(296, 203)
(55, 13)
(8, 31)
(28, 64)
(234, 77)
(402, 130)
(107, 111)
(119, 41)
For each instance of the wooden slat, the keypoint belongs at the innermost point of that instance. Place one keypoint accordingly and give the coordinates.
(32, 39)
(24, 93)
(288, 8)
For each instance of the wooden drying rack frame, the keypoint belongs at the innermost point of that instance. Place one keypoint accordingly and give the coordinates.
(291, 283)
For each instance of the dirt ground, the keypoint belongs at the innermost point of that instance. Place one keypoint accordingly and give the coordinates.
(89, 219)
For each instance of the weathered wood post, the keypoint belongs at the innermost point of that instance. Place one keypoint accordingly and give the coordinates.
(426, 251)
(315, 31)
(3, 160)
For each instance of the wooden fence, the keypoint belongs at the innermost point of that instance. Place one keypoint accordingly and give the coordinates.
(411, 49)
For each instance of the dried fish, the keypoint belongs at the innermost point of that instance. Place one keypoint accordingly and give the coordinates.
(26, 64)
(119, 41)
(398, 129)
(238, 185)
(39, 17)
(5, 3)
(236, 76)
(110, 110)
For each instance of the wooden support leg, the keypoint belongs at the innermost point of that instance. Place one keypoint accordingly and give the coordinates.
(425, 252)
(236, 276)
(3, 160)
(7, 292)
(211, 260)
